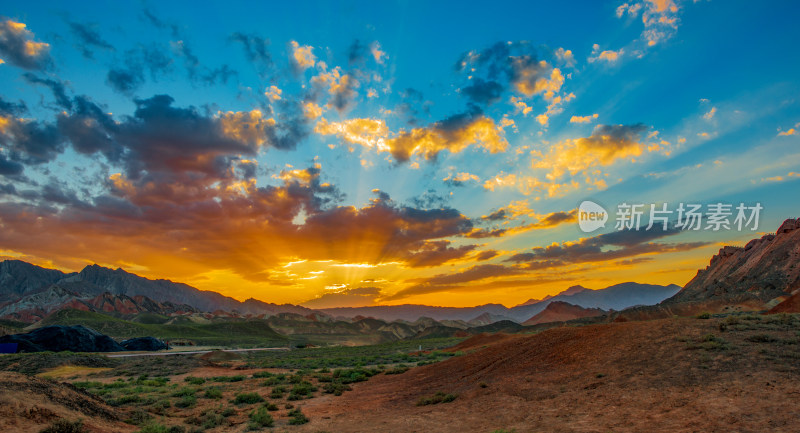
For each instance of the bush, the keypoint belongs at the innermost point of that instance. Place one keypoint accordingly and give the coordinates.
(237, 378)
(160, 428)
(704, 315)
(296, 417)
(248, 398)
(437, 398)
(194, 380)
(186, 402)
(277, 392)
(262, 374)
(261, 417)
(64, 426)
(229, 412)
(272, 407)
(335, 388)
(214, 393)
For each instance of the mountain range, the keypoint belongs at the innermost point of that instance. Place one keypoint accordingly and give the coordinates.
(29, 293)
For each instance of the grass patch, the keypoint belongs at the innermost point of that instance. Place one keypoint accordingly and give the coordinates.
(296, 417)
(439, 397)
(65, 426)
(247, 398)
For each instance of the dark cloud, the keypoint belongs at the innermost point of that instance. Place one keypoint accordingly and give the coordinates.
(445, 282)
(10, 168)
(430, 199)
(486, 255)
(435, 253)
(357, 297)
(90, 129)
(555, 218)
(55, 86)
(486, 233)
(124, 81)
(500, 66)
(88, 37)
(498, 215)
(357, 52)
(483, 92)
(12, 108)
(150, 17)
(609, 246)
(30, 142)
(138, 62)
(256, 50)
(18, 47)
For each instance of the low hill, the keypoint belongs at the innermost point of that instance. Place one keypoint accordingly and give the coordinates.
(240, 332)
(672, 375)
(560, 311)
(27, 403)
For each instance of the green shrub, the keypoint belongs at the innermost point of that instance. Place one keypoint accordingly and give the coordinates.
(214, 393)
(261, 417)
(704, 315)
(248, 398)
(64, 426)
(439, 397)
(272, 407)
(237, 378)
(335, 388)
(229, 411)
(277, 392)
(296, 417)
(186, 402)
(194, 380)
(262, 374)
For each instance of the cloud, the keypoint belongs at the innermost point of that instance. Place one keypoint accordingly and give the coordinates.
(435, 253)
(460, 179)
(445, 282)
(583, 119)
(56, 87)
(17, 46)
(137, 62)
(510, 65)
(88, 37)
(29, 141)
(788, 132)
(565, 57)
(356, 297)
(606, 145)
(659, 17)
(608, 56)
(710, 114)
(256, 50)
(453, 134)
(483, 92)
(605, 247)
(302, 56)
(340, 88)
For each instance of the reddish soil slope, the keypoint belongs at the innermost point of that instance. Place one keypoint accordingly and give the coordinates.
(621, 377)
(560, 311)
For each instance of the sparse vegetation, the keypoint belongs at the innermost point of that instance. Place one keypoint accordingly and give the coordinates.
(248, 398)
(65, 426)
(260, 418)
(439, 397)
(296, 417)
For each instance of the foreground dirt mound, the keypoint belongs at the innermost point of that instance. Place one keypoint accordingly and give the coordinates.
(683, 375)
(29, 404)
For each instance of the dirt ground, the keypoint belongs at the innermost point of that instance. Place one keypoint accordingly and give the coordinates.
(620, 377)
(669, 375)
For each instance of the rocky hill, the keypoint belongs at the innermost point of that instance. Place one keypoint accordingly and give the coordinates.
(560, 311)
(764, 268)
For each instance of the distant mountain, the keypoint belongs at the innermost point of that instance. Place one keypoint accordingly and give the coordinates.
(616, 297)
(18, 278)
(35, 307)
(32, 291)
(560, 311)
(765, 268)
(571, 291)
(410, 312)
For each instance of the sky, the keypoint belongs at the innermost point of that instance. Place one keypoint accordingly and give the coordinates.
(380, 153)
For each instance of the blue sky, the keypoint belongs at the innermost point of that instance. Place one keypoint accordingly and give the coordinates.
(353, 153)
